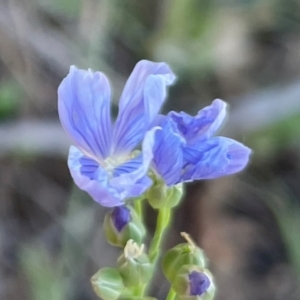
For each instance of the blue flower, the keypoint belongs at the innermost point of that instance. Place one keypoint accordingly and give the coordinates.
(185, 149)
(103, 162)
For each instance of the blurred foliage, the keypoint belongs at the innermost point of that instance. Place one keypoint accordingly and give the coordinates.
(271, 140)
(54, 277)
(10, 99)
(43, 274)
(187, 45)
(286, 208)
(68, 8)
(218, 48)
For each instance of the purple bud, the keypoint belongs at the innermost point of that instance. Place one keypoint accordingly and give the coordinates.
(199, 283)
(120, 217)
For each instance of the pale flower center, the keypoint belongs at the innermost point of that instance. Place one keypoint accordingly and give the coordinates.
(110, 163)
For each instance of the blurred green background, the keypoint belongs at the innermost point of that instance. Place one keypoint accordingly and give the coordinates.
(246, 52)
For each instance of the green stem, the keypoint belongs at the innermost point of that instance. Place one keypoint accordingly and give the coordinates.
(171, 295)
(139, 291)
(138, 207)
(163, 220)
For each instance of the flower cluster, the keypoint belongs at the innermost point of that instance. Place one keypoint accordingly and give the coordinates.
(113, 161)
(143, 155)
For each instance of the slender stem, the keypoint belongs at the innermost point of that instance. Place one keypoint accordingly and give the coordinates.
(139, 291)
(163, 220)
(171, 295)
(138, 207)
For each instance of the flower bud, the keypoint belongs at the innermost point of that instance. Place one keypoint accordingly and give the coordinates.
(134, 265)
(138, 298)
(182, 254)
(122, 224)
(192, 282)
(108, 284)
(161, 196)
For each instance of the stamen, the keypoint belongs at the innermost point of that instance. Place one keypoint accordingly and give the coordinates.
(133, 250)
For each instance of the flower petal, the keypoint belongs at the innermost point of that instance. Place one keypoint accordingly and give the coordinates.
(141, 100)
(120, 217)
(92, 178)
(168, 152)
(199, 283)
(84, 111)
(219, 157)
(204, 125)
(129, 173)
(131, 176)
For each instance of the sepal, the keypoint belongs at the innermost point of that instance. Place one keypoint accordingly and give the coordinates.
(182, 254)
(189, 287)
(138, 298)
(122, 224)
(108, 284)
(134, 265)
(161, 196)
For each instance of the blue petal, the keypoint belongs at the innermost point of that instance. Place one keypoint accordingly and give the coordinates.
(199, 283)
(194, 152)
(204, 125)
(139, 188)
(84, 111)
(218, 157)
(129, 166)
(168, 152)
(141, 100)
(131, 175)
(93, 179)
(120, 217)
(134, 171)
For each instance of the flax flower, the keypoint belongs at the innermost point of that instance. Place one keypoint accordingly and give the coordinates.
(102, 161)
(186, 149)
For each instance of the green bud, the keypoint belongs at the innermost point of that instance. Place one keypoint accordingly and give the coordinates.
(138, 298)
(134, 265)
(194, 283)
(122, 224)
(161, 196)
(108, 284)
(182, 254)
